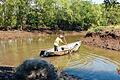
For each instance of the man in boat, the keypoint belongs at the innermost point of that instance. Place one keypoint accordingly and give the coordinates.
(57, 42)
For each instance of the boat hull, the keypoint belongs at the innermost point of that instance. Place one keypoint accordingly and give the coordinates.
(62, 50)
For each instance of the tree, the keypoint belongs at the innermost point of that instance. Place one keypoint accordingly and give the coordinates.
(22, 7)
(112, 12)
(47, 11)
(1, 15)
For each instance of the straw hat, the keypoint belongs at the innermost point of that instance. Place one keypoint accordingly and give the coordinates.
(61, 36)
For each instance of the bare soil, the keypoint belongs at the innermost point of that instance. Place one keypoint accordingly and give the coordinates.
(4, 35)
(21, 34)
(104, 39)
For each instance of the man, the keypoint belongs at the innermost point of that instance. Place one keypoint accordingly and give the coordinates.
(57, 42)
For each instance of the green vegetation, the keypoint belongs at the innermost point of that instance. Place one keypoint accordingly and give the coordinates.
(57, 14)
(100, 28)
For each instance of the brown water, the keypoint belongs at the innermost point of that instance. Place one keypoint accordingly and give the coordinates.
(14, 52)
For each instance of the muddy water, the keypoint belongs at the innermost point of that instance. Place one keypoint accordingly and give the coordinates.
(81, 64)
(13, 52)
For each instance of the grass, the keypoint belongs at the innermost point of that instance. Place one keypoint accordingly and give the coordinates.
(99, 28)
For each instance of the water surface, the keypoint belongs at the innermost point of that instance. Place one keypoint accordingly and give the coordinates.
(81, 64)
(96, 68)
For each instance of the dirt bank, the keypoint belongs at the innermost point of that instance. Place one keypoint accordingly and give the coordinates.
(24, 34)
(13, 34)
(104, 39)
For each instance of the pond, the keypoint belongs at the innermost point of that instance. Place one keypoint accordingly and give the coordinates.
(81, 64)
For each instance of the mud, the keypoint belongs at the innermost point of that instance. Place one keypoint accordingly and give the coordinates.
(20, 34)
(5, 35)
(104, 39)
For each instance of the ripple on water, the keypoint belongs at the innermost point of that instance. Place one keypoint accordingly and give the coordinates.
(94, 68)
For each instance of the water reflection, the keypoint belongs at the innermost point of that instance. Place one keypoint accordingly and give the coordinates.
(81, 64)
(13, 52)
(95, 69)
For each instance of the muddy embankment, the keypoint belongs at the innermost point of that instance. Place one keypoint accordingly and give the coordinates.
(22, 34)
(5, 35)
(104, 39)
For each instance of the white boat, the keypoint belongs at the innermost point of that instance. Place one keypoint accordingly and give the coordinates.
(62, 50)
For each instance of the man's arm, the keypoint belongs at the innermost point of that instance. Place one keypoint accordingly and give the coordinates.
(62, 41)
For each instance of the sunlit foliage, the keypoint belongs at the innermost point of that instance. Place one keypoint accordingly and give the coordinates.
(57, 14)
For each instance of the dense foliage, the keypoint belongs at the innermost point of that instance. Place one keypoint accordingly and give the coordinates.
(57, 14)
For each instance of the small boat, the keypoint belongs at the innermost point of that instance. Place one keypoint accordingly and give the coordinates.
(62, 50)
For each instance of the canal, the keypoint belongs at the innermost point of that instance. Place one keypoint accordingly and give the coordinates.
(83, 64)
